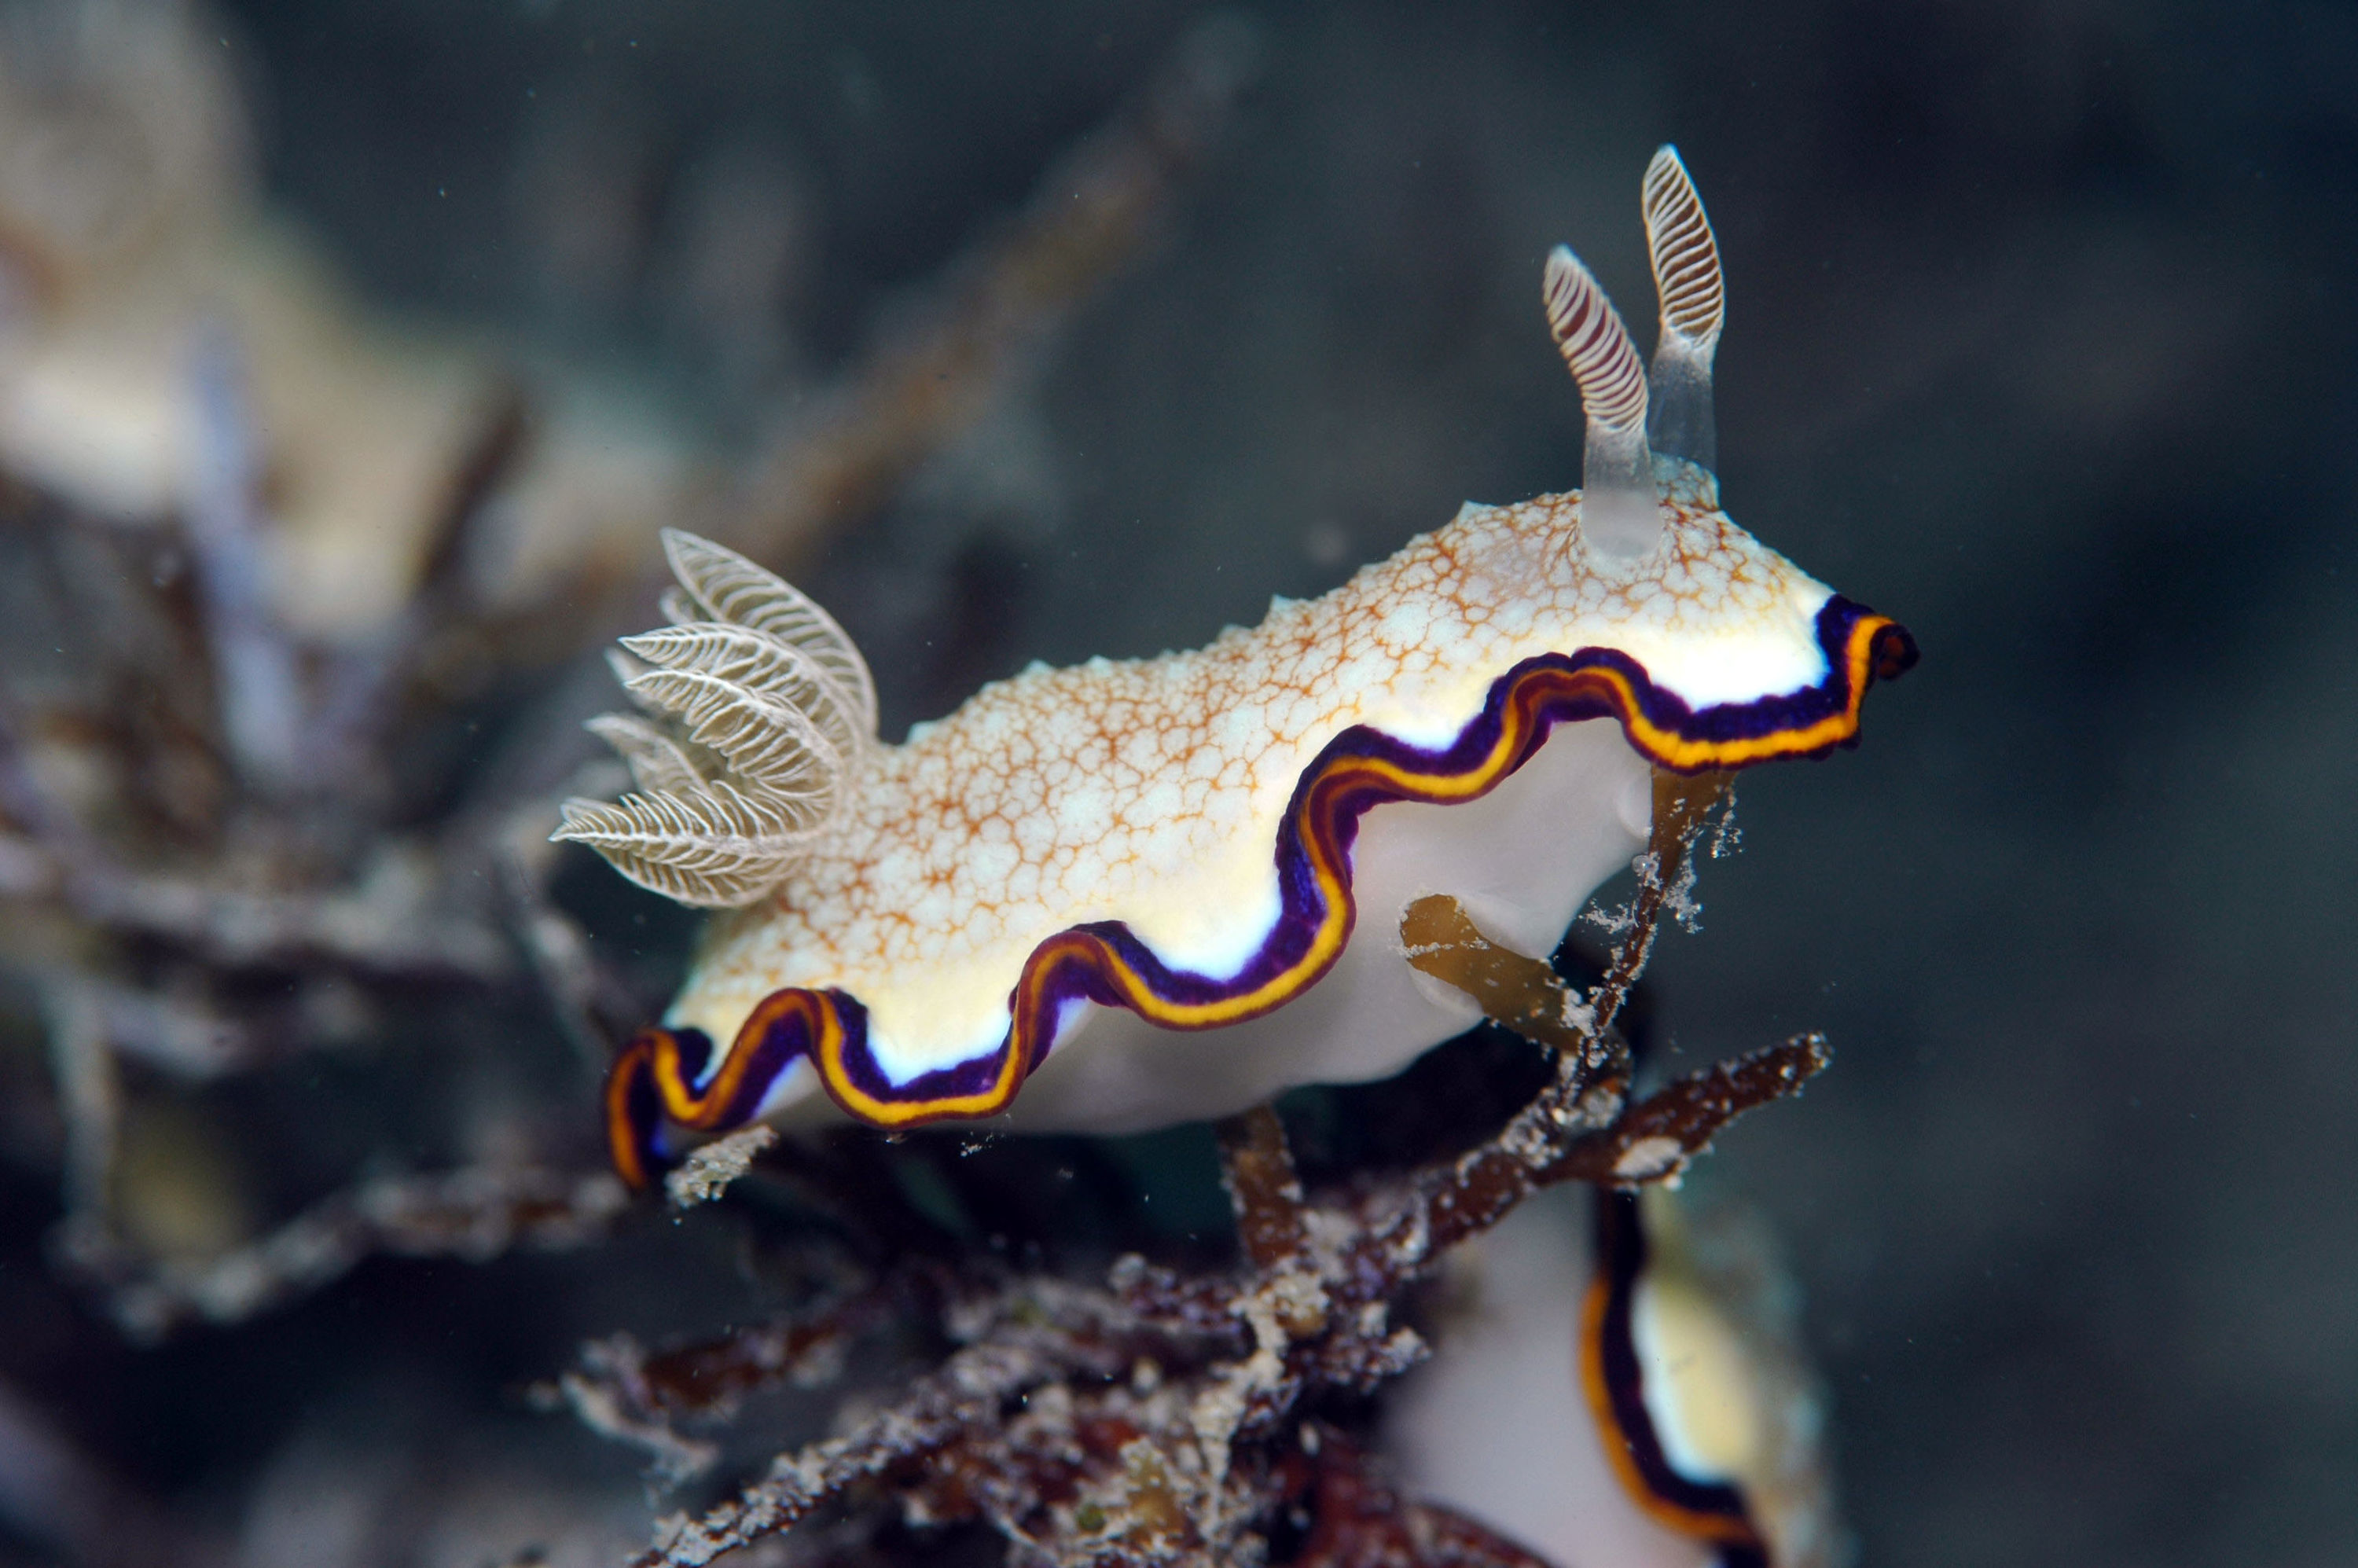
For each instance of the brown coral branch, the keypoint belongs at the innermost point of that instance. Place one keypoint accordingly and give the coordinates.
(598, 1401)
(1682, 804)
(1262, 1188)
(623, 1391)
(1129, 1394)
(1518, 991)
(1444, 1205)
(1089, 214)
(382, 925)
(583, 997)
(380, 929)
(708, 1170)
(174, 1030)
(709, 1377)
(1406, 1227)
(969, 1392)
(1659, 1137)
(1359, 1521)
(1172, 1467)
(1186, 1461)
(474, 1214)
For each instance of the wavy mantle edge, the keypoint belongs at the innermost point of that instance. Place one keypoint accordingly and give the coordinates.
(1711, 1511)
(655, 1076)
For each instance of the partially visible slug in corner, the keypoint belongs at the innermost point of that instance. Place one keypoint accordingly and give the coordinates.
(1123, 895)
(1640, 1401)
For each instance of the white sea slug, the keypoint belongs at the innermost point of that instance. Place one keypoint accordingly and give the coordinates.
(1604, 1389)
(1123, 895)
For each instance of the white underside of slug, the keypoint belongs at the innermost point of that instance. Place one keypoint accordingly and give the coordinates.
(1500, 1423)
(1496, 1425)
(1521, 859)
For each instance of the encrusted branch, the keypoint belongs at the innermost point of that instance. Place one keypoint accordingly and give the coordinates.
(970, 1389)
(1157, 1461)
(1577, 1127)
(1181, 1460)
(708, 1170)
(1682, 806)
(1660, 1136)
(474, 1214)
(383, 923)
(1517, 990)
(1030, 1337)
(378, 926)
(624, 1391)
(1410, 1225)
(581, 995)
(1362, 1522)
(1266, 1194)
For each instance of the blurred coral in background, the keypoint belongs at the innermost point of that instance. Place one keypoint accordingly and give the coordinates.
(350, 360)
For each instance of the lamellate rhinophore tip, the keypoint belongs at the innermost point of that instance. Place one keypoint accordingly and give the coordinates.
(1693, 309)
(1620, 517)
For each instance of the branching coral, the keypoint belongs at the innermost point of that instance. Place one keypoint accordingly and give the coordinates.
(275, 850)
(1163, 1417)
(245, 819)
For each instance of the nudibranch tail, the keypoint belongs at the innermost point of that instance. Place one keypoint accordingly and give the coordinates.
(771, 713)
(1694, 307)
(1601, 1391)
(1619, 514)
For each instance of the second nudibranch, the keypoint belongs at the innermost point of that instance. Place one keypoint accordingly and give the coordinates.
(1132, 893)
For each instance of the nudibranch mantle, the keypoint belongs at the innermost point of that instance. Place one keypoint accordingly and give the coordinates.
(1153, 792)
(1050, 881)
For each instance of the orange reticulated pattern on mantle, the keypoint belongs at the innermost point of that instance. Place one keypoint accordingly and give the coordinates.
(662, 1074)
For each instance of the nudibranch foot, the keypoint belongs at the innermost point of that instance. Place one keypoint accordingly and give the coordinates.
(1129, 893)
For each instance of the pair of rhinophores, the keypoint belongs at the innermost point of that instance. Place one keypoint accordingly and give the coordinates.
(1133, 893)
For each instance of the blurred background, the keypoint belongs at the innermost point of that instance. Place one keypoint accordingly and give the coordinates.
(354, 353)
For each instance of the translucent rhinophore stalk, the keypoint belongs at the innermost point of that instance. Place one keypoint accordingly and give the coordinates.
(1619, 514)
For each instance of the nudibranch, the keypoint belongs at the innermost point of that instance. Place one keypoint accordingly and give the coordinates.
(1633, 1403)
(1123, 895)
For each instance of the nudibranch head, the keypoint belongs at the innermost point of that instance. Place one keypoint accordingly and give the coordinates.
(1129, 889)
